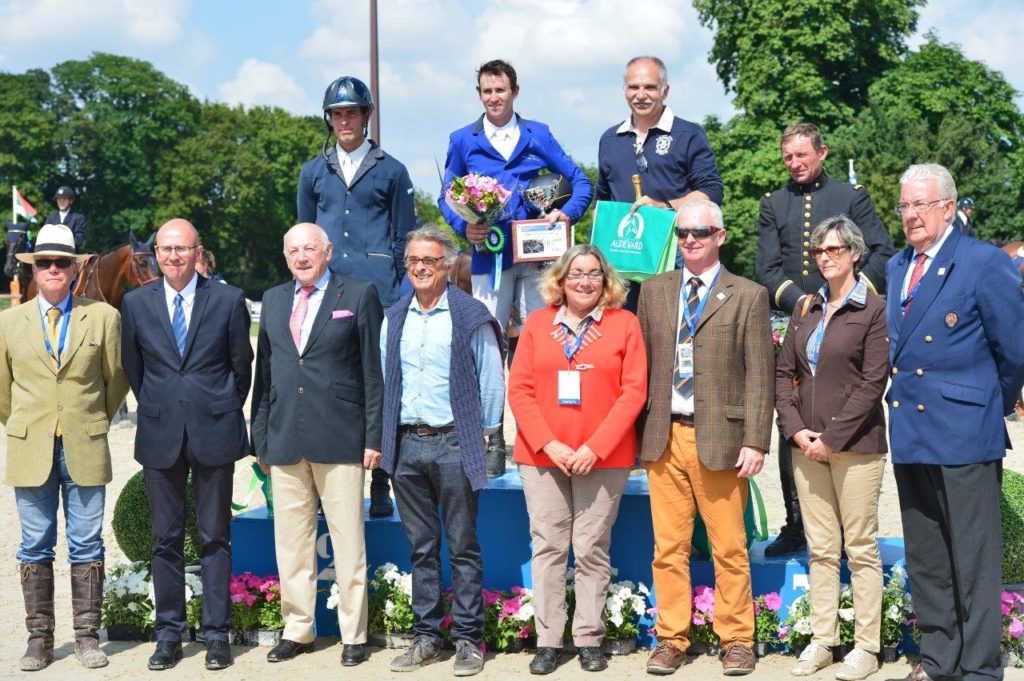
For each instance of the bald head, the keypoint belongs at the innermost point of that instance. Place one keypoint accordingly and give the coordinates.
(307, 250)
(178, 225)
(177, 250)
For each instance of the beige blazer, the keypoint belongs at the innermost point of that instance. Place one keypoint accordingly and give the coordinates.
(85, 394)
(734, 368)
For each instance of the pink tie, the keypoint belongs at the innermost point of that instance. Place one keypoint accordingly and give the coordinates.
(299, 314)
(915, 277)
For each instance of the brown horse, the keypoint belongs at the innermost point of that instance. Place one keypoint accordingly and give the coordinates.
(108, 276)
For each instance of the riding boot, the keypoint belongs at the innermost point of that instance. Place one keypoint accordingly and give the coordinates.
(791, 537)
(381, 505)
(86, 608)
(495, 456)
(37, 588)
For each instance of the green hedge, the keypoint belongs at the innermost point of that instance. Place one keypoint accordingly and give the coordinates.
(133, 527)
(1012, 506)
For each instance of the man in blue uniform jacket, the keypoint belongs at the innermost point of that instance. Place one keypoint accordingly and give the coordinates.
(955, 314)
(363, 198)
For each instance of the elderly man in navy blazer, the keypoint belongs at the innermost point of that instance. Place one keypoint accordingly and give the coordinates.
(186, 350)
(956, 331)
(316, 428)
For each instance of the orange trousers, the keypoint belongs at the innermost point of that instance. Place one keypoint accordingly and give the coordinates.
(679, 486)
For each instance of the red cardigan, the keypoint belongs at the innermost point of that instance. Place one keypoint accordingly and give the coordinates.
(612, 392)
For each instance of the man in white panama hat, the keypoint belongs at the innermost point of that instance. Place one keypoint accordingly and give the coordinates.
(61, 383)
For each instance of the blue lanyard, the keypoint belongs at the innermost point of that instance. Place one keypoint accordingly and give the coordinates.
(692, 322)
(912, 293)
(63, 333)
(819, 332)
(572, 349)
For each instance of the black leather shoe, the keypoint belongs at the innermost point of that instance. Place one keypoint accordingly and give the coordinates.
(168, 654)
(218, 655)
(381, 505)
(592, 659)
(352, 654)
(789, 541)
(545, 661)
(286, 650)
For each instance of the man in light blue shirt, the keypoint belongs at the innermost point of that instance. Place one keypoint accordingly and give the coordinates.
(444, 389)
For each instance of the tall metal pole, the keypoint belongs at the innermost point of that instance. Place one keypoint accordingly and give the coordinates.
(374, 83)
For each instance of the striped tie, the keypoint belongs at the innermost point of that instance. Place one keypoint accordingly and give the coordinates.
(915, 278)
(52, 315)
(178, 325)
(684, 384)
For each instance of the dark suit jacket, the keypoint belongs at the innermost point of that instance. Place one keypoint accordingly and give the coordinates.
(963, 225)
(75, 222)
(843, 400)
(325, 404)
(964, 331)
(199, 396)
(734, 368)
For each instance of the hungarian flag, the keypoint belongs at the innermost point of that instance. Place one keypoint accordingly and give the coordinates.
(22, 207)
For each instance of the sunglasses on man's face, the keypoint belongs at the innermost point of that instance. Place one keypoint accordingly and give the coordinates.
(61, 263)
(698, 232)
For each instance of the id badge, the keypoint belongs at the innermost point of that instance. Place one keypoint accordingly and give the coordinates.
(569, 387)
(684, 359)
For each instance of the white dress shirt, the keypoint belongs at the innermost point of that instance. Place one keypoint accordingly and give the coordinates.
(932, 251)
(188, 295)
(504, 138)
(350, 162)
(680, 404)
(313, 306)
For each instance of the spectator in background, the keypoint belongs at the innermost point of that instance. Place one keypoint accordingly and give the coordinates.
(65, 198)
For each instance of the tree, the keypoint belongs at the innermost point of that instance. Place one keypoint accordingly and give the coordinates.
(27, 147)
(805, 60)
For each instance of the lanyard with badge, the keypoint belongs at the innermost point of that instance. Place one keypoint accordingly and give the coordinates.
(569, 379)
(819, 331)
(63, 333)
(684, 351)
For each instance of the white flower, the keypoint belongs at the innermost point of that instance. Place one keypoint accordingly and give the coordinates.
(615, 617)
(894, 613)
(525, 613)
(615, 572)
(639, 605)
(333, 597)
(405, 584)
(846, 614)
(389, 608)
(570, 575)
(188, 592)
(803, 626)
(643, 590)
(133, 606)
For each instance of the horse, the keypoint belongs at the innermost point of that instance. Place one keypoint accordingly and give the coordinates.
(104, 277)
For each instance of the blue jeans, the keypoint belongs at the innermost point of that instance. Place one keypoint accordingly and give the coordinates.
(83, 515)
(429, 477)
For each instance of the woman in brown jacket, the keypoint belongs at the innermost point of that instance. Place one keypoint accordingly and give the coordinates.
(828, 389)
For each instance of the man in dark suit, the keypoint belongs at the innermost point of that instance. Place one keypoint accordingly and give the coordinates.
(785, 267)
(955, 314)
(705, 430)
(65, 197)
(186, 350)
(964, 219)
(316, 426)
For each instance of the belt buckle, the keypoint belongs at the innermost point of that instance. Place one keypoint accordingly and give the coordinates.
(423, 430)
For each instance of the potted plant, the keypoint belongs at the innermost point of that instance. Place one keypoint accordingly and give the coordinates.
(847, 623)
(703, 638)
(391, 617)
(897, 610)
(796, 629)
(625, 604)
(128, 602)
(256, 618)
(194, 605)
(508, 619)
(766, 622)
(1012, 641)
(1012, 508)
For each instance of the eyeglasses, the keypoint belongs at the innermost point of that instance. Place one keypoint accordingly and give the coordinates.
(832, 251)
(177, 250)
(698, 232)
(411, 261)
(919, 208)
(593, 275)
(61, 263)
(641, 160)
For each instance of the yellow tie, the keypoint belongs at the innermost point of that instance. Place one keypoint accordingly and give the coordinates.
(52, 315)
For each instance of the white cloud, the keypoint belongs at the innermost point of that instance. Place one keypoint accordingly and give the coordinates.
(260, 83)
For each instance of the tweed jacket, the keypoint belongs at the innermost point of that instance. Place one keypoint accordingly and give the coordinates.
(734, 368)
(842, 400)
(85, 393)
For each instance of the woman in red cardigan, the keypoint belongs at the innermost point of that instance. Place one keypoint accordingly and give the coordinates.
(577, 384)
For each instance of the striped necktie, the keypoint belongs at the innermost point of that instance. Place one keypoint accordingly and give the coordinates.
(178, 325)
(52, 317)
(684, 383)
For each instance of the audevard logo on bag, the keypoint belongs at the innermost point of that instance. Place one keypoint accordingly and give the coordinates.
(638, 244)
(631, 231)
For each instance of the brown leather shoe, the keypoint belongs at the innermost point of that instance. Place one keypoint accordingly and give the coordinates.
(665, 659)
(916, 674)
(737, 660)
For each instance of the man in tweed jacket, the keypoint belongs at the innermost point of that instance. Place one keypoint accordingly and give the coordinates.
(705, 429)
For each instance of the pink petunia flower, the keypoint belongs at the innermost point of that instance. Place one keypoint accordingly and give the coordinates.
(1016, 628)
(446, 621)
(773, 601)
(525, 631)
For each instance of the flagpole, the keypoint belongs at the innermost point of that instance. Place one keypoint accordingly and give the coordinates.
(14, 203)
(15, 286)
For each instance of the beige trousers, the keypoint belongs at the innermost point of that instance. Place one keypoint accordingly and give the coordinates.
(577, 511)
(842, 491)
(340, 489)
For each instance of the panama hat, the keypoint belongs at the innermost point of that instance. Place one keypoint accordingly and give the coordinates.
(53, 241)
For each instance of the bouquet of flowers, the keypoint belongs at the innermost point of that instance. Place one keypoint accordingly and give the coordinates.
(128, 596)
(703, 616)
(390, 600)
(897, 607)
(508, 617)
(766, 617)
(625, 605)
(796, 629)
(780, 323)
(475, 197)
(1012, 608)
(255, 602)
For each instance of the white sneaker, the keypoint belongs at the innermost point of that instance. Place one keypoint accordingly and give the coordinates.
(858, 664)
(814, 658)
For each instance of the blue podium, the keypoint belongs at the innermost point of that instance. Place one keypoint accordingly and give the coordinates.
(504, 532)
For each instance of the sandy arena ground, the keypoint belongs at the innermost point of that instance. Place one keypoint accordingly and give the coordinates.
(128, 661)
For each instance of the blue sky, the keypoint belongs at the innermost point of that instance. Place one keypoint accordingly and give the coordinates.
(569, 55)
